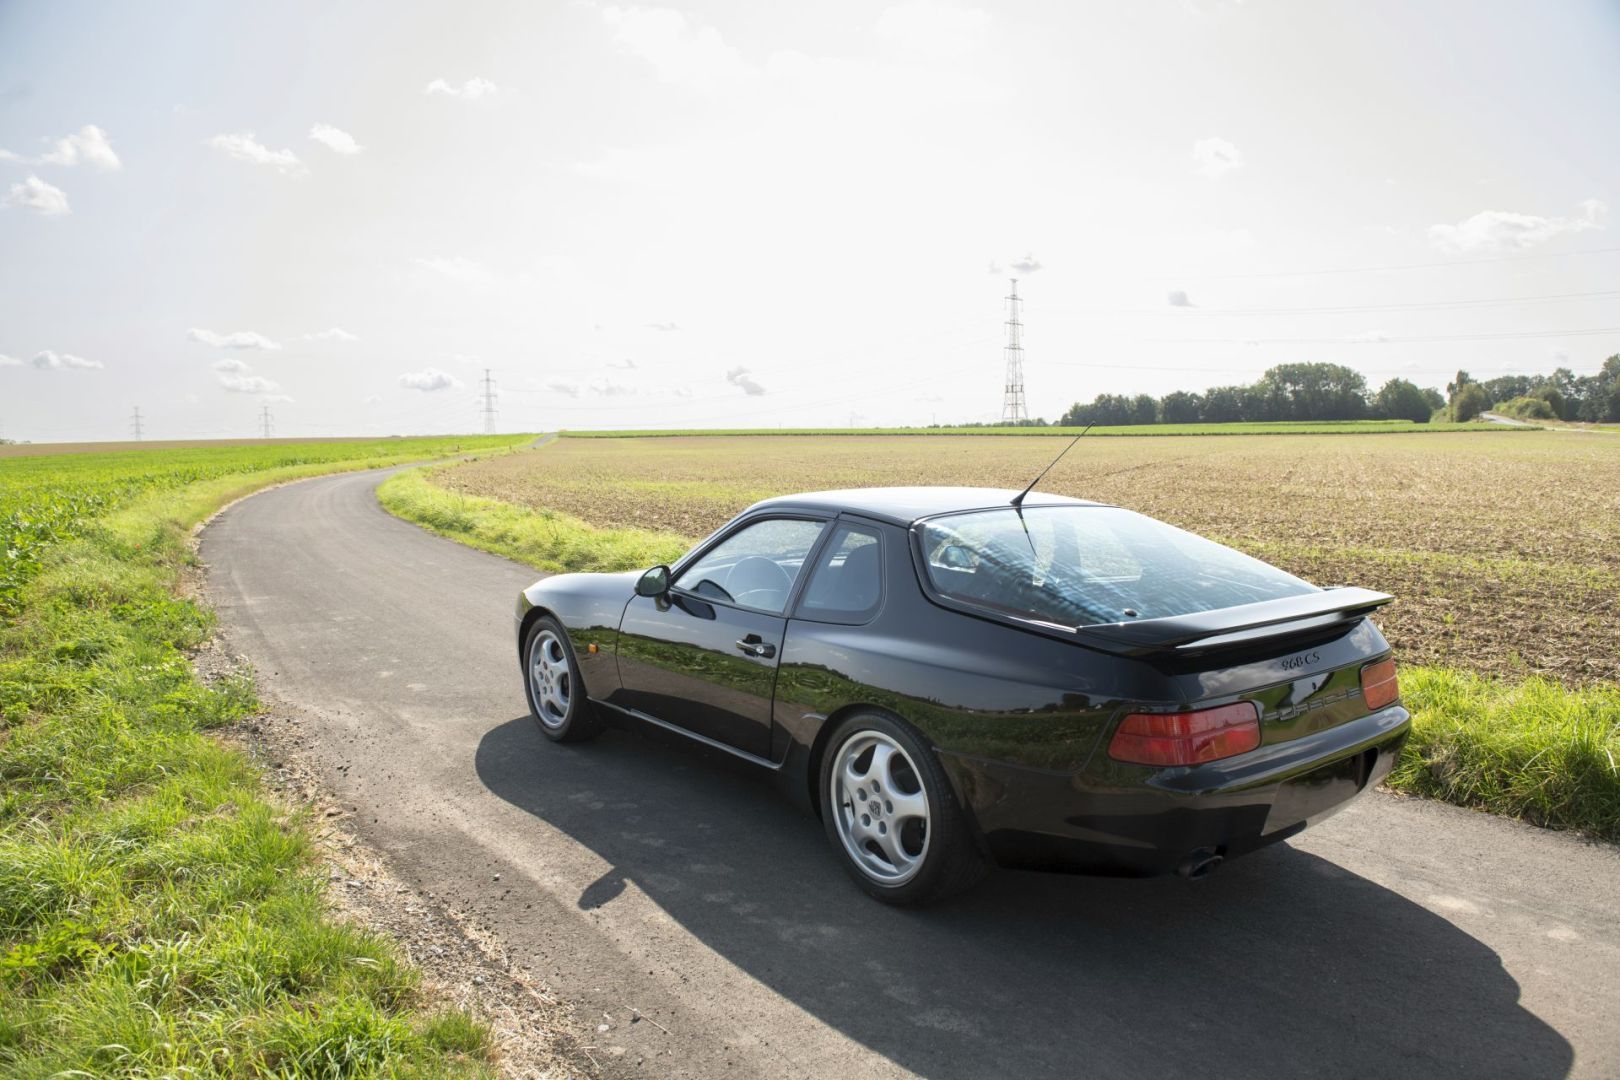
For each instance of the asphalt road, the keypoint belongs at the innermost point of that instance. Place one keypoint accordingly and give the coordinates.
(1402, 938)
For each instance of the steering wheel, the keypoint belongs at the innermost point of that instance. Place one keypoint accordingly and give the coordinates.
(758, 582)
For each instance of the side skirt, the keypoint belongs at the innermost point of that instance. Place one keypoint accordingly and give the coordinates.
(752, 759)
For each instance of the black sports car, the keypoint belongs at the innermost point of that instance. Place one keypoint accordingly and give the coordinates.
(951, 678)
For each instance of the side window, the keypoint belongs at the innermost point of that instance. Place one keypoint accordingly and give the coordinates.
(847, 582)
(756, 566)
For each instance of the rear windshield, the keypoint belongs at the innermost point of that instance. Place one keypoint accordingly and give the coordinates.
(1080, 565)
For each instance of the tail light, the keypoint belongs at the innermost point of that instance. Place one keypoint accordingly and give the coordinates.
(1187, 738)
(1378, 685)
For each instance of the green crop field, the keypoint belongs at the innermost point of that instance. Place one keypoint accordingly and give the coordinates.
(159, 916)
(1502, 546)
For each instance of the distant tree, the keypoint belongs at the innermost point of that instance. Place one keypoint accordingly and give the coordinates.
(1316, 392)
(1401, 400)
(1468, 402)
(1181, 407)
(1222, 405)
(1457, 384)
(1432, 396)
(1507, 387)
(1555, 400)
(1262, 402)
(1528, 407)
(1106, 410)
(1144, 409)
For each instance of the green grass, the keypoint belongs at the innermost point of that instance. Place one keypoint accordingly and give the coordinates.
(158, 914)
(1530, 748)
(544, 539)
(1283, 427)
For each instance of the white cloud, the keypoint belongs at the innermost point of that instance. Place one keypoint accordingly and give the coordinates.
(611, 387)
(679, 51)
(60, 361)
(229, 365)
(1497, 230)
(336, 333)
(567, 389)
(1367, 337)
(372, 399)
(628, 365)
(1216, 157)
(36, 194)
(474, 89)
(458, 268)
(335, 139)
(1026, 266)
(239, 383)
(9, 361)
(943, 31)
(667, 327)
(89, 146)
(429, 380)
(1178, 298)
(240, 339)
(242, 146)
(738, 377)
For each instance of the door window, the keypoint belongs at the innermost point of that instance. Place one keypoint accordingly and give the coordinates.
(754, 567)
(847, 583)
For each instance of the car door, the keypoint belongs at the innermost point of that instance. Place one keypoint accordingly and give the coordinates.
(703, 657)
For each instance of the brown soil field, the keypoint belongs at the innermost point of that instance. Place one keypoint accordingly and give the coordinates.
(1502, 549)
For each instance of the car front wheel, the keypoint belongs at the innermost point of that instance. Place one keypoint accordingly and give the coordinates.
(891, 813)
(551, 680)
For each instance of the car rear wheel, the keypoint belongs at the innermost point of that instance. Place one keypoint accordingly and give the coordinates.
(551, 680)
(891, 814)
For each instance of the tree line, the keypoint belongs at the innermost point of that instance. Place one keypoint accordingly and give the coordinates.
(1315, 392)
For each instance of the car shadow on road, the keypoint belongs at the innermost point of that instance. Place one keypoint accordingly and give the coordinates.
(1281, 961)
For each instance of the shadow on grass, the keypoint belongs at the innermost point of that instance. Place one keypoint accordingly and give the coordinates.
(1282, 962)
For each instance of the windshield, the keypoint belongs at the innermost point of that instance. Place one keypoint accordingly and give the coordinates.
(1080, 565)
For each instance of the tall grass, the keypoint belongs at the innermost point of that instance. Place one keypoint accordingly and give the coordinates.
(1530, 749)
(542, 538)
(158, 915)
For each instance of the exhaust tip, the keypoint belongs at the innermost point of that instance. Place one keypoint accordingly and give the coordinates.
(1200, 864)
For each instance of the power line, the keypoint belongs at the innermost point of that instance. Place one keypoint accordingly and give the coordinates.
(1593, 332)
(266, 422)
(1378, 269)
(135, 424)
(489, 404)
(1184, 313)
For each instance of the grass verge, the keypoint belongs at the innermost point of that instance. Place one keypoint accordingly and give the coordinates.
(1530, 749)
(543, 539)
(158, 914)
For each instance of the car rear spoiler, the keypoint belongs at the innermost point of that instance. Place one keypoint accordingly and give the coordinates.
(1242, 624)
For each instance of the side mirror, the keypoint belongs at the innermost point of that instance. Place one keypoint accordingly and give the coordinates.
(654, 582)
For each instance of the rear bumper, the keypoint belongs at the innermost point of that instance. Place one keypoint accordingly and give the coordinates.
(1088, 822)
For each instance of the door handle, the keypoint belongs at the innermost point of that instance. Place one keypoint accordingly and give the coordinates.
(752, 645)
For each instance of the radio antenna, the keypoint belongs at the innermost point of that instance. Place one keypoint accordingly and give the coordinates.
(1018, 500)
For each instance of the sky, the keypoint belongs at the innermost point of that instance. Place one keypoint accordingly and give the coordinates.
(760, 215)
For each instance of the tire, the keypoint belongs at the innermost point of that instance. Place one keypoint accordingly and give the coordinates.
(892, 816)
(551, 683)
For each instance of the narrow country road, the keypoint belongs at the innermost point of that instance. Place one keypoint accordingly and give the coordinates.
(1403, 938)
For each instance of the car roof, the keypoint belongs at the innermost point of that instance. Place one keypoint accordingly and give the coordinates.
(905, 505)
